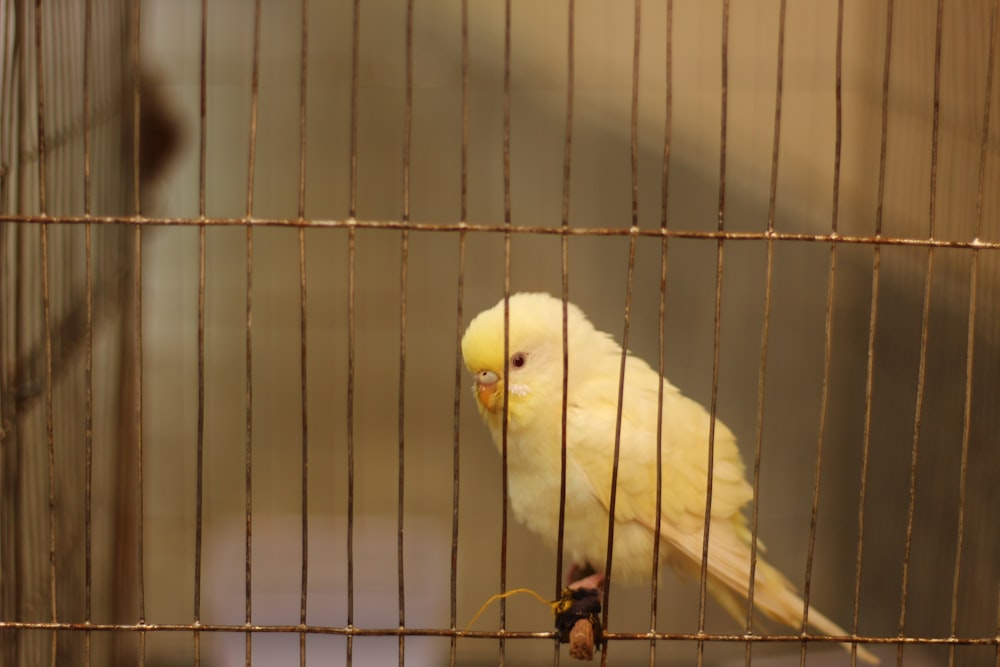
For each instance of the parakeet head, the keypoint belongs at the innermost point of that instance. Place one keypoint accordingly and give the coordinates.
(534, 369)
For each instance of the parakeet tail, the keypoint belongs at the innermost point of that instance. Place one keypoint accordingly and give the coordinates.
(776, 598)
(729, 575)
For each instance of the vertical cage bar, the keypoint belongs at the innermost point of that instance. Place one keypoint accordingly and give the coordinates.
(7, 65)
(630, 272)
(303, 326)
(716, 332)
(40, 109)
(828, 326)
(88, 371)
(634, 118)
(56, 38)
(351, 242)
(564, 274)
(460, 298)
(403, 277)
(8, 493)
(971, 340)
(22, 49)
(200, 447)
(136, 112)
(616, 455)
(49, 432)
(401, 452)
(88, 29)
(872, 326)
(661, 320)
(46, 320)
(355, 64)
(248, 450)
(88, 441)
(251, 168)
(136, 17)
(14, 477)
(351, 345)
(202, 107)
(200, 432)
(7, 70)
(137, 324)
(506, 326)
(924, 333)
(766, 324)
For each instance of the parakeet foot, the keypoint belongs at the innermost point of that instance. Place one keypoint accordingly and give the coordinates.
(584, 577)
(595, 581)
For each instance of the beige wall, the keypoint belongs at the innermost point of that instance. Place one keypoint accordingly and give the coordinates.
(600, 196)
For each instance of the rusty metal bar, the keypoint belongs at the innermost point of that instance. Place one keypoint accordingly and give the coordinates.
(504, 516)
(202, 247)
(459, 328)
(716, 334)
(350, 630)
(971, 340)
(629, 279)
(661, 324)
(564, 274)
(303, 328)
(349, 223)
(872, 327)
(765, 330)
(924, 333)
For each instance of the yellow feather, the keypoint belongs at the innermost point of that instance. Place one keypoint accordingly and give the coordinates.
(534, 394)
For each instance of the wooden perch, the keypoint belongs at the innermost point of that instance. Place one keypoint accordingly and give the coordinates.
(581, 640)
(578, 621)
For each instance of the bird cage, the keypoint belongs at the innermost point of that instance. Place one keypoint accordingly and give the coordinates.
(67, 495)
(241, 242)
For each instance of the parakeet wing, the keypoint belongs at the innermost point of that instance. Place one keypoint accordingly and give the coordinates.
(684, 444)
(684, 451)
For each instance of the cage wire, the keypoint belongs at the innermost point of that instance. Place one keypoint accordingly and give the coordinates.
(65, 350)
(241, 241)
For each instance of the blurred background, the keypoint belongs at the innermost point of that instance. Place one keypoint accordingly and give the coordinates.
(900, 412)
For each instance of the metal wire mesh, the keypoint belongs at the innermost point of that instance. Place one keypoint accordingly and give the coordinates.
(223, 414)
(64, 350)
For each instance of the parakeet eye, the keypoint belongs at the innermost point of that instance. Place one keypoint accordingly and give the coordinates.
(518, 359)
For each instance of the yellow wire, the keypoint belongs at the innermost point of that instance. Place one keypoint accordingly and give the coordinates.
(500, 596)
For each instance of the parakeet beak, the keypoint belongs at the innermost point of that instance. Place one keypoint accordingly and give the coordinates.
(487, 383)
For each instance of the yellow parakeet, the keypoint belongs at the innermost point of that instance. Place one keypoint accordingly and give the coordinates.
(534, 435)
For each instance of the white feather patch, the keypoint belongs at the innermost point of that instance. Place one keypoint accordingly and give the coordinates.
(519, 389)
